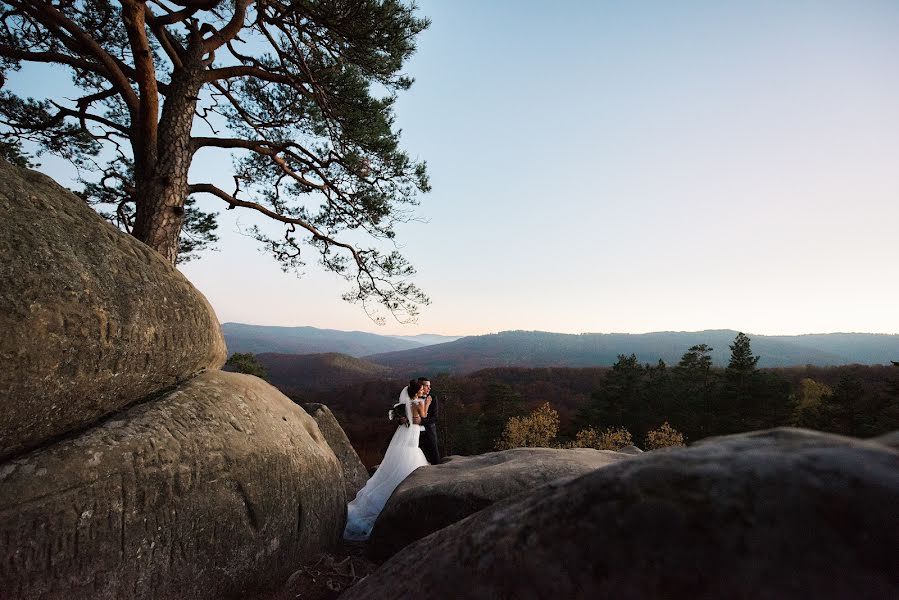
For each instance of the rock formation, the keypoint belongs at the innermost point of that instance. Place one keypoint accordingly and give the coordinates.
(124, 473)
(774, 514)
(436, 497)
(91, 319)
(221, 486)
(354, 472)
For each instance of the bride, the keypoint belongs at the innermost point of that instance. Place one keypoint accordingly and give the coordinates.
(402, 457)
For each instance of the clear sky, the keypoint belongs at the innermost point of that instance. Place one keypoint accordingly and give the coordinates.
(630, 167)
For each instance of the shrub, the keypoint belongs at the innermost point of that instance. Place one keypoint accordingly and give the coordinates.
(664, 437)
(610, 439)
(536, 430)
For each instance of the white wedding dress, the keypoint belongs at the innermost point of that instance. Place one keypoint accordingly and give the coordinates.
(402, 457)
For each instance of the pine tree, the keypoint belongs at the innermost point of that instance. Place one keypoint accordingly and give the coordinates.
(742, 407)
(619, 400)
(694, 393)
(841, 409)
(301, 94)
(742, 362)
(501, 404)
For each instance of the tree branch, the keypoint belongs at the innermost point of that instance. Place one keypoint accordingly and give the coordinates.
(51, 18)
(260, 147)
(148, 108)
(53, 57)
(364, 269)
(208, 188)
(82, 115)
(257, 72)
(230, 30)
(169, 44)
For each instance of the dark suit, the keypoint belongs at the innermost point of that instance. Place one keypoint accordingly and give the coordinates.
(427, 441)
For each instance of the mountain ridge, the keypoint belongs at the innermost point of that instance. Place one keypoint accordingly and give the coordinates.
(524, 348)
(546, 349)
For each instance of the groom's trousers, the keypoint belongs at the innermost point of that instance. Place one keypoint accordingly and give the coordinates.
(427, 441)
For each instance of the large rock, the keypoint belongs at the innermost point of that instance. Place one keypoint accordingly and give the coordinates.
(888, 439)
(355, 475)
(220, 487)
(438, 496)
(91, 319)
(779, 514)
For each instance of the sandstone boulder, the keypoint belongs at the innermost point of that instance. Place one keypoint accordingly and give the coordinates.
(355, 475)
(776, 514)
(91, 319)
(889, 439)
(435, 497)
(219, 488)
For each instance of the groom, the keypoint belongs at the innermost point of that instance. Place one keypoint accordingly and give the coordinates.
(427, 441)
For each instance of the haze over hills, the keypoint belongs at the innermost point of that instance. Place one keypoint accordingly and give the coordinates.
(309, 340)
(427, 339)
(543, 349)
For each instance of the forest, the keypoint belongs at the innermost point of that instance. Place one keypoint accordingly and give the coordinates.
(693, 397)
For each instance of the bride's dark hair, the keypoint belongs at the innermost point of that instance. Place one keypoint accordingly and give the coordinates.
(414, 386)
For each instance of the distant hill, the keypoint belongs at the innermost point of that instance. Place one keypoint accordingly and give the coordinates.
(297, 374)
(309, 340)
(861, 348)
(427, 339)
(543, 349)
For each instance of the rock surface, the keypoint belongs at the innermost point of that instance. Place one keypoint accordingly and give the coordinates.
(354, 472)
(889, 439)
(438, 496)
(218, 488)
(91, 319)
(772, 514)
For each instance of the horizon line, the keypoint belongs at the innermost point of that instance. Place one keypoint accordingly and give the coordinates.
(400, 335)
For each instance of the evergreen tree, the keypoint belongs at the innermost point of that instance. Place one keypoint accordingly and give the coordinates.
(619, 400)
(245, 363)
(742, 362)
(501, 404)
(458, 421)
(880, 414)
(741, 406)
(842, 408)
(893, 382)
(657, 397)
(301, 94)
(693, 406)
(11, 151)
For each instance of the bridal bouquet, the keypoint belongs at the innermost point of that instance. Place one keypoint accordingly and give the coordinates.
(397, 412)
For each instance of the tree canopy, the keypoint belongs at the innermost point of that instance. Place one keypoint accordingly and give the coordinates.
(300, 92)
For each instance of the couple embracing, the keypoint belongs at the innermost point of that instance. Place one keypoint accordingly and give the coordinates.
(414, 444)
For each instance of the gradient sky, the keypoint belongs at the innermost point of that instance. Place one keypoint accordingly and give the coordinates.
(629, 167)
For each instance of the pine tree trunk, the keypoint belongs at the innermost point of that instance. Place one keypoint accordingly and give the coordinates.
(162, 189)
